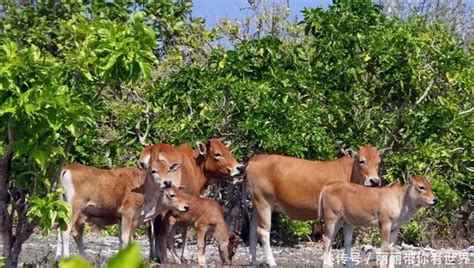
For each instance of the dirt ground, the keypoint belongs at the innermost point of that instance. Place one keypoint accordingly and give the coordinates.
(40, 251)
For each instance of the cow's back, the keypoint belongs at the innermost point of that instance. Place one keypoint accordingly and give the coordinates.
(104, 187)
(293, 185)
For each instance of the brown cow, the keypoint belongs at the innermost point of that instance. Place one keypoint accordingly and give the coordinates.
(206, 216)
(387, 207)
(106, 195)
(292, 186)
(210, 163)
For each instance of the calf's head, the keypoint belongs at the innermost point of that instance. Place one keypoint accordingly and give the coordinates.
(420, 191)
(218, 161)
(162, 162)
(172, 200)
(366, 165)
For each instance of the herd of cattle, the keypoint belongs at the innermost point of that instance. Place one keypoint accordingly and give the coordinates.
(166, 185)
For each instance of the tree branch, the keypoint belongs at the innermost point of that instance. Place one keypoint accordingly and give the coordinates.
(425, 94)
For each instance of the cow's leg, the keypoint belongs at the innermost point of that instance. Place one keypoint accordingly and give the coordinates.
(163, 235)
(157, 225)
(119, 227)
(330, 228)
(385, 232)
(79, 238)
(253, 239)
(126, 230)
(77, 206)
(59, 246)
(348, 230)
(385, 227)
(150, 231)
(264, 212)
(171, 247)
(201, 245)
(393, 236)
(185, 239)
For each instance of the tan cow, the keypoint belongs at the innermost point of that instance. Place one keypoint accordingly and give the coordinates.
(103, 196)
(292, 186)
(210, 163)
(206, 216)
(387, 207)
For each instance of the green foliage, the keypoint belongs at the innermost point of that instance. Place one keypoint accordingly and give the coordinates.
(74, 262)
(49, 210)
(291, 231)
(412, 233)
(130, 256)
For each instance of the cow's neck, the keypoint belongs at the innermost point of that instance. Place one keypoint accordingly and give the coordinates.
(354, 171)
(407, 206)
(203, 178)
(152, 193)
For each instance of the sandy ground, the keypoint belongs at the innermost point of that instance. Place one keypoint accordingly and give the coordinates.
(40, 251)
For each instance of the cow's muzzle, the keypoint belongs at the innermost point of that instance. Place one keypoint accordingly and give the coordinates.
(374, 181)
(237, 171)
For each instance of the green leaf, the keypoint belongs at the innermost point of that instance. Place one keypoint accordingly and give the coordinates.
(130, 256)
(74, 262)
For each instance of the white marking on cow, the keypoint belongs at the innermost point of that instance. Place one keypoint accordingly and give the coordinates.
(68, 186)
(146, 160)
(161, 157)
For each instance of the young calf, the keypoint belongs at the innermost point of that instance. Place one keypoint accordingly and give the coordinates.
(355, 205)
(206, 216)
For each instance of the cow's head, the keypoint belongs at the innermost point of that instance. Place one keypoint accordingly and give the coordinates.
(162, 162)
(366, 165)
(420, 191)
(218, 161)
(172, 199)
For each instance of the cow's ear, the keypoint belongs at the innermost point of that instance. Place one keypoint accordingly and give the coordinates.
(175, 166)
(144, 160)
(384, 151)
(201, 148)
(350, 153)
(227, 143)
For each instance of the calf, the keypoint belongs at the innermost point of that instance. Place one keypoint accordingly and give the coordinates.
(292, 186)
(206, 216)
(104, 196)
(387, 207)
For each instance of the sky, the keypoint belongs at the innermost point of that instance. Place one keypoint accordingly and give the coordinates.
(212, 10)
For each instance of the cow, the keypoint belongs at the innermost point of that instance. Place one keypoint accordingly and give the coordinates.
(206, 216)
(105, 196)
(209, 163)
(386, 207)
(292, 186)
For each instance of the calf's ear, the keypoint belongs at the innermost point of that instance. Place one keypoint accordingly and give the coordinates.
(201, 148)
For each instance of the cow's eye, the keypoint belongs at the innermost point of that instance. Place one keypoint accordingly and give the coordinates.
(421, 188)
(362, 161)
(217, 155)
(153, 171)
(172, 196)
